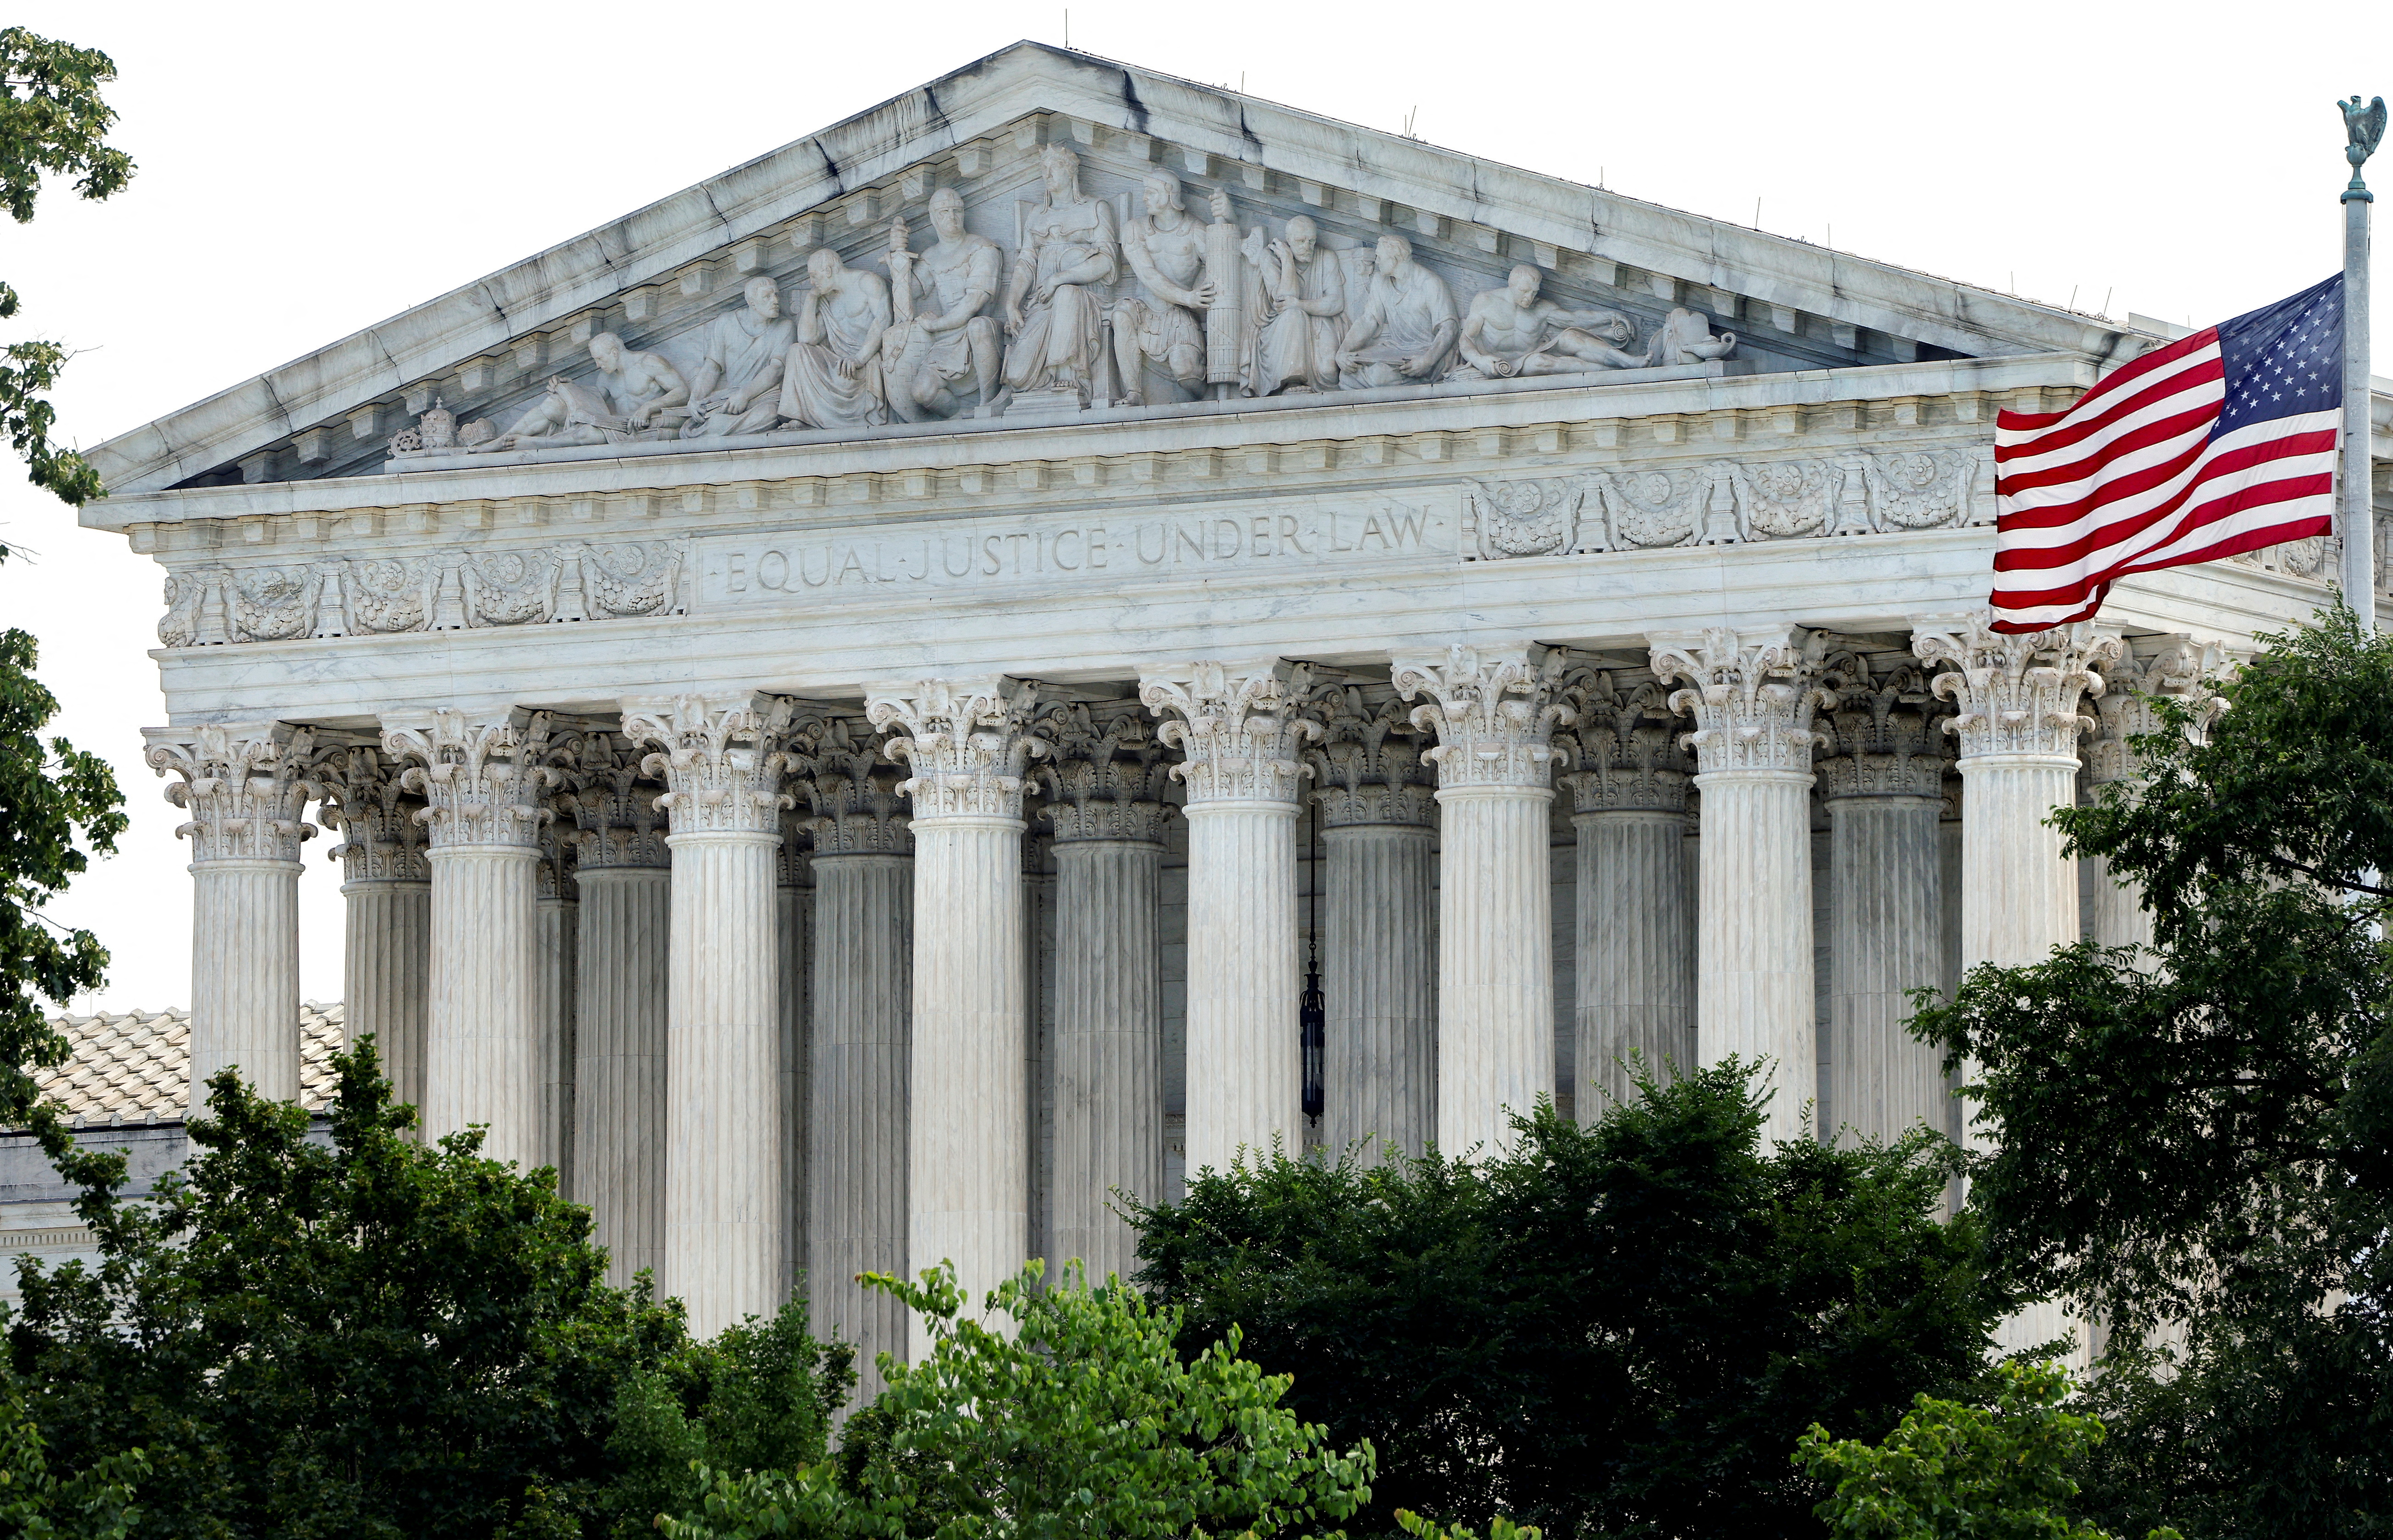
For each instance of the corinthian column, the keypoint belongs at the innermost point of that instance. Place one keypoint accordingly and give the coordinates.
(1377, 797)
(860, 1024)
(1884, 785)
(968, 1200)
(560, 923)
(2018, 724)
(246, 790)
(722, 766)
(1635, 921)
(1237, 726)
(387, 890)
(794, 903)
(487, 791)
(1494, 712)
(624, 876)
(1752, 694)
(1106, 804)
(2125, 708)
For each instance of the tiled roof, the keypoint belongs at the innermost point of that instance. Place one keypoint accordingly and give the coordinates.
(136, 1067)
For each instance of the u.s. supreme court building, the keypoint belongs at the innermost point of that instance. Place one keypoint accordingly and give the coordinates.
(852, 701)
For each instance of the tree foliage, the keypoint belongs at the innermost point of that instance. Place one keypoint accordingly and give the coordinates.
(53, 122)
(36, 1504)
(2197, 1146)
(1619, 1329)
(1954, 1472)
(1077, 1417)
(371, 1337)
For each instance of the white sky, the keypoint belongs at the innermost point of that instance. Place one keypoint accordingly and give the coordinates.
(306, 170)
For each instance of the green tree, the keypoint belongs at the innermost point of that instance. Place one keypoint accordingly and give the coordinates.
(362, 1336)
(1080, 1418)
(54, 799)
(1954, 1472)
(1620, 1329)
(35, 1503)
(2197, 1146)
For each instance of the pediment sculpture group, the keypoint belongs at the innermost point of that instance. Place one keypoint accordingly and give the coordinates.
(1096, 309)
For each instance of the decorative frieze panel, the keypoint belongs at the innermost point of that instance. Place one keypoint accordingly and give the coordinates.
(1721, 503)
(967, 742)
(452, 590)
(246, 788)
(2017, 693)
(1368, 767)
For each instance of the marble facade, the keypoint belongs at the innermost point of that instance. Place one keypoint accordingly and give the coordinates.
(837, 690)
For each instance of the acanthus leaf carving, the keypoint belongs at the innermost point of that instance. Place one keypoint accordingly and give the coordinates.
(1753, 694)
(246, 786)
(1368, 767)
(1880, 741)
(482, 781)
(2176, 666)
(722, 763)
(1237, 726)
(1104, 778)
(613, 804)
(967, 742)
(851, 787)
(2009, 701)
(1494, 713)
(379, 822)
(1627, 754)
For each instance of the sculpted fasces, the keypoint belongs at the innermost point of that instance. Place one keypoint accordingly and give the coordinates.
(1096, 306)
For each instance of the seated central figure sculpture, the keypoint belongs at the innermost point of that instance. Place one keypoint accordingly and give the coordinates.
(1069, 248)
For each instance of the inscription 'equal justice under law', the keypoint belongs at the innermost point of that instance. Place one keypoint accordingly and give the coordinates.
(952, 557)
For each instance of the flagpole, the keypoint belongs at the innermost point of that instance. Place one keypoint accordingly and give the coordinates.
(2363, 127)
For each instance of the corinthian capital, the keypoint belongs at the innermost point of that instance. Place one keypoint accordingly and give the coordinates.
(2176, 667)
(1494, 712)
(721, 763)
(381, 826)
(617, 822)
(1628, 754)
(246, 786)
(1753, 694)
(483, 781)
(1368, 769)
(1106, 778)
(2017, 693)
(852, 801)
(1237, 726)
(1879, 739)
(968, 743)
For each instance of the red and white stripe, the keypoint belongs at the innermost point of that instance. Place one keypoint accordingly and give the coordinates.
(2129, 480)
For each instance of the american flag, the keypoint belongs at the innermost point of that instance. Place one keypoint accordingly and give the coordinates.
(2222, 441)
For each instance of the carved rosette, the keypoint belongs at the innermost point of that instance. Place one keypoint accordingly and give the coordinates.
(1626, 752)
(1879, 743)
(2182, 668)
(722, 766)
(1753, 694)
(1105, 779)
(854, 804)
(1368, 767)
(483, 783)
(246, 788)
(2017, 694)
(1495, 714)
(1237, 726)
(380, 825)
(617, 822)
(967, 743)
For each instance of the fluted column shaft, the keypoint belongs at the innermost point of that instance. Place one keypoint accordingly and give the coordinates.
(723, 1135)
(968, 1165)
(1493, 712)
(386, 976)
(1238, 728)
(619, 1070)
(1886, 892)
(1636, 935)
(246, 788)
(482, 1053)
(1380, 1071)
(794, 909)
(1108, 1046)
(862, 1059)
(1753, 694)
(559, 916)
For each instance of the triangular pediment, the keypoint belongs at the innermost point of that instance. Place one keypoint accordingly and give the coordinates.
(661, 277)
